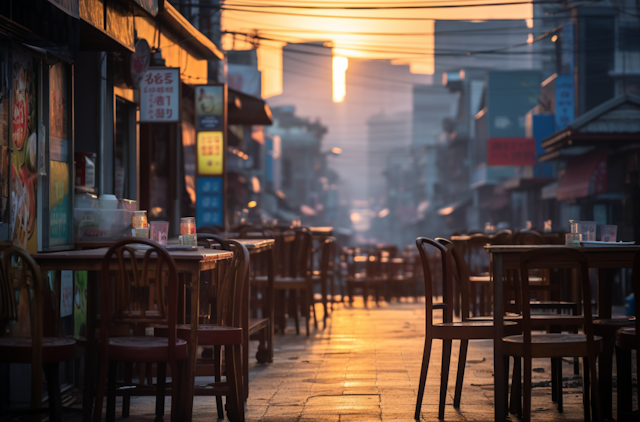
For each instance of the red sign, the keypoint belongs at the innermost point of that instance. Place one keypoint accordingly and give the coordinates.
(511, 151)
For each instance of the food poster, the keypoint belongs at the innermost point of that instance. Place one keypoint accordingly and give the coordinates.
(59, 203)
(80, 305)
(4, 151)
(24, 157)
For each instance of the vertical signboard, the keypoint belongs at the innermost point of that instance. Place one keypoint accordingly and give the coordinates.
(160, 95)
(565, 110)
(211, 130)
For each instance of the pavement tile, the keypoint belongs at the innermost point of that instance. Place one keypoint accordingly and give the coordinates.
(365, 366)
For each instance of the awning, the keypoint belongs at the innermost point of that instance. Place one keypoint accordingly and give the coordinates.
(451, 208)
(521, 184)
(248, 110)
(585, 175)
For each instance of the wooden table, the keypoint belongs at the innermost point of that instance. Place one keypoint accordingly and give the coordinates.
(192, 264)
(507, 257)
(321, 231)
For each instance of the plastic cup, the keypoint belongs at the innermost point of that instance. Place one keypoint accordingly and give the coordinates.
(588, 230)
(159, 231)
(572, 239)
(140, 220)
(574, 226)
(187, 225)
(608, 233)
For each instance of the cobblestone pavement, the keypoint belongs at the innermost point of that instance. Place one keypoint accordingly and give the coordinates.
(365, 366)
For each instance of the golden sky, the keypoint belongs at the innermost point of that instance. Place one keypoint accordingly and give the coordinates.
(405, 40)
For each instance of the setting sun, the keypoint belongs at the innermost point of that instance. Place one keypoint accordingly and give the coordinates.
(340, 65)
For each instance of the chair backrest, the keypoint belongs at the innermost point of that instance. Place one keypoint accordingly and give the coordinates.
(300, 253)
(460, 274)
(18, 265)
(145, 290)
(502, 237)
(528, 237)
(204, 237)
(422, 243)
(477, 258)
(233, 285)
(561, 258)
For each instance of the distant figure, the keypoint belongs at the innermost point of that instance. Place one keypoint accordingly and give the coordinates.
(205, 102)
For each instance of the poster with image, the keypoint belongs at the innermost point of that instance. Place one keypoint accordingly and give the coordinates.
(210, 107)
(24, 157)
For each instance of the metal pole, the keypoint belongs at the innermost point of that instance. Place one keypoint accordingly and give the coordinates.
(103, 122)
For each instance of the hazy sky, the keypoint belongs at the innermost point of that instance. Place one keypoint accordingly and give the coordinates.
(402, 35)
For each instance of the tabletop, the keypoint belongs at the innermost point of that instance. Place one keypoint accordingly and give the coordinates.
(202, 254)
(255, 245)
(321, 230)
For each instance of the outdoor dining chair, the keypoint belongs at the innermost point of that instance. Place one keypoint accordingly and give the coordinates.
(137, 292)
(447, 330)
(626, 341)
(294, 276)
(324, 275)
(529, 345)
(26, 344)
(226, 331)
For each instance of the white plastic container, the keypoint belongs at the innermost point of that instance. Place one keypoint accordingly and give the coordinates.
(108, 202)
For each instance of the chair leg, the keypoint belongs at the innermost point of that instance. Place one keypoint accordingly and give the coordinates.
(585, 389)
(526, 387)
(126, 399)
(217, 373)
(595, 390)
(111, 392)
(100, 387)
(462, 361)
(365, 294)
(444, 376)
(426, 355)
(559, 384)
(605, 377)
(176, 387)
(515, 405)
(235, 400)
(625, 393)
(293, 305)
(161, 390)
(52, 374)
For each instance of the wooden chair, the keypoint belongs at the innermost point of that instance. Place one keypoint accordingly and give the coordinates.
(294, 275)
(480, 279)
(626, 341)
(448, 330)
(325, 274)
(363, 275)
(145, 292)
(556, 345)
(27, 345)
(227, 327)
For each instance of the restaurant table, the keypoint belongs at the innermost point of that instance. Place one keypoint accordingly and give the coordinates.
(321, 231)
(191, 264)
(507, 257)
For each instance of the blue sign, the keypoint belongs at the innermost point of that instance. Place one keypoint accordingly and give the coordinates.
(209, 203)
(565, 109)
(543, 127)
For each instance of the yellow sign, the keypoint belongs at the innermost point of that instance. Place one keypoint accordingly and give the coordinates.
(210, 153)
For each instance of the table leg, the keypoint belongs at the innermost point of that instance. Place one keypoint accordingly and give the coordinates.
(88, 391)
(605, 287)
(187, 395)
(499, 388)
(270, 300)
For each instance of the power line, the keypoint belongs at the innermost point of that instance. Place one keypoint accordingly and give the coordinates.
(444, 6)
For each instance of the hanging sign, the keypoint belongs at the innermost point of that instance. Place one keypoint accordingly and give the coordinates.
(210, 153)
(160, 95)
(511, 151)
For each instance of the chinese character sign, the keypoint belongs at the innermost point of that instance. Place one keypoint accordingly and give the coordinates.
(565, 109)
(511, 151)
(160, 95)
(210, 153)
